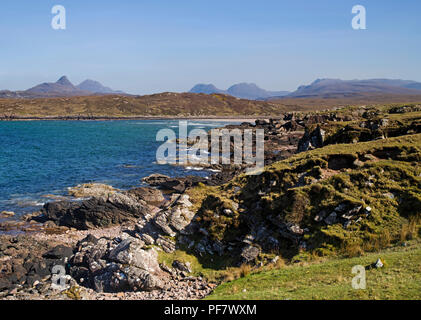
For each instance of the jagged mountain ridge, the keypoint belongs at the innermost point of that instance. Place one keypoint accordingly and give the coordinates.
(62, 87)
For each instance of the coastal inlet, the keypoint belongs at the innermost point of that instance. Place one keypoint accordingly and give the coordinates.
(40, 160)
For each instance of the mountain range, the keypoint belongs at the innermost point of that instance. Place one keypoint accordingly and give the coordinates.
(336, 87)
(320, 88)
(323, 88)
(241, 90)
(62, 87)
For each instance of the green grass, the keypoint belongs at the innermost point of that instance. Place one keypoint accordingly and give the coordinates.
(400, 278)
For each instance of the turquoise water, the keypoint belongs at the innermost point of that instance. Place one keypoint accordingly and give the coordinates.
(38, 158)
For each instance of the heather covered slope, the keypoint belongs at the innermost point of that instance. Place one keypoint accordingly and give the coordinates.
(178, 105)
(163, 104)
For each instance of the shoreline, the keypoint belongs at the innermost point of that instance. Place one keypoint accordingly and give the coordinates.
(67, 118)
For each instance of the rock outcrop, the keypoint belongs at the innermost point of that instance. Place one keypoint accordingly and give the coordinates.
(116, 265)
(96, 212)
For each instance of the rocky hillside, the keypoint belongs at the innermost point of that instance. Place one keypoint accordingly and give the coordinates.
(356, 191)
(323, 201)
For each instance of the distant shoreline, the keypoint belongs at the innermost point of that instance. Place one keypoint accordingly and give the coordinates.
(64, 118)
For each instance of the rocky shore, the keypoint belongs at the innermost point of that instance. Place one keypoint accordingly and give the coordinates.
(113, 255)
(109, 244)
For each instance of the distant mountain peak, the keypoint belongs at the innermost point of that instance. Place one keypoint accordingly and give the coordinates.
(206, 88)
(242, 90)
(90, 81)
(95, 87)
(64, 81)
(63, 87)
(244, 84)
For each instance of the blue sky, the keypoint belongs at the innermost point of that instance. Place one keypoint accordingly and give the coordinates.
(150, 46)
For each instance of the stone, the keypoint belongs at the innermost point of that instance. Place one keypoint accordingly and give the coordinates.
(389, 195)
(167, 269)
(147, 239)
(184, 201)
(228, 212)
(130, 252)
(131, 268)
(331, 219)
(369, 157)
(358, 163)
(341, 208)
(139, 279)
(155, 179)
(249, 253)
(218, 247)
(149, 195)
(176, 185)
(379, 264)
(347, 224)
(115, 209)
(312, 140)
(167, 245)
(180, 217)
(7, 214)
(320, 216)
(200, 248)
(185, 267)
(161, 221)
(89, 239)
(59, 252)
(88, 190)
(295, 229)
(384, 122)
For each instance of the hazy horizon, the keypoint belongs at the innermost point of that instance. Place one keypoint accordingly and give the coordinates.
(144, 47)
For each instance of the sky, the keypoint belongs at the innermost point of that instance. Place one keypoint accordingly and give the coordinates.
(150, 46)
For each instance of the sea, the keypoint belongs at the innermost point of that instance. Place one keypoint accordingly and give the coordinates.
(40, 160)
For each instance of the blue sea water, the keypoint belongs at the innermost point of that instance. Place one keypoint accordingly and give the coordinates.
(39, 158)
